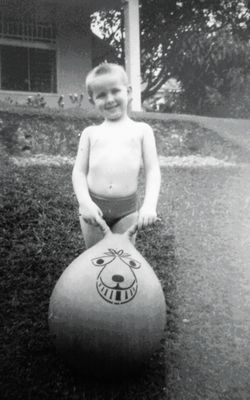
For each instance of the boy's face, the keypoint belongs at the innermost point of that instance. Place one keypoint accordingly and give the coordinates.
(111, 96)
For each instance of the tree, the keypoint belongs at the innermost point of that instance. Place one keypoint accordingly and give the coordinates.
(204, 44)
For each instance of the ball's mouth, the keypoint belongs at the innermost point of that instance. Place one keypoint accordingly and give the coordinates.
(117, 294)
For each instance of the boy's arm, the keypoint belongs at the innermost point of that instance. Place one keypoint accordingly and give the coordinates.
(88, 210)
(147, 213)
(80, 170)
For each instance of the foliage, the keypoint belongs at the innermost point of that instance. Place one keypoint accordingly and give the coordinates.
(213, 68)
(41, 133)
(36, 101)
(201, 43)
(110, 25)
(24, 111)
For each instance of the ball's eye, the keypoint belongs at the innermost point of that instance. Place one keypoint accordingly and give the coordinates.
(132, 263)
(101, 261)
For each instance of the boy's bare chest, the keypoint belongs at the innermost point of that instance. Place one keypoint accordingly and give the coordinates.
(115, 143)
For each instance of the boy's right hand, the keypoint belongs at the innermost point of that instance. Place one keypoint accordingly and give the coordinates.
(91, 214)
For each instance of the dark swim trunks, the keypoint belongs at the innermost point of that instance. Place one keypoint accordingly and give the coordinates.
(115, 208)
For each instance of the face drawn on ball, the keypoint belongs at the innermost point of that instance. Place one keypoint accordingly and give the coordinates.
(116, 282)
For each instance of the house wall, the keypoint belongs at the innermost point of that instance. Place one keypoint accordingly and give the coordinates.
(74, 56)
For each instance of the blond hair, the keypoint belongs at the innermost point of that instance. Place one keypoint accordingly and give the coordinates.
(103, 69)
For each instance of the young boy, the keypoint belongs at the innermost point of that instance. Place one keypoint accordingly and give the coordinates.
(107, 165)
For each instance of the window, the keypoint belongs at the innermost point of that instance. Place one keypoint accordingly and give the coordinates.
(27, 47)
(28, 21)
(28, 69)
(30, 30)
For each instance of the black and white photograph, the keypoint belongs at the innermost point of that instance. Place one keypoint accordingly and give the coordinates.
(125, 199)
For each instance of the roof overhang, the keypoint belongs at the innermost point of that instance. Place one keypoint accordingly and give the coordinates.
(104, 4)
(93, 5)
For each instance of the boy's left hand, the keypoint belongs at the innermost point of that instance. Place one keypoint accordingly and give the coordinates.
(147, 216)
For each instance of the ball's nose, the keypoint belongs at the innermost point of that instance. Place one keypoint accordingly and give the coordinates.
(117, 278)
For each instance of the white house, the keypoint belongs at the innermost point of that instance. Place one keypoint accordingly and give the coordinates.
(47, 47)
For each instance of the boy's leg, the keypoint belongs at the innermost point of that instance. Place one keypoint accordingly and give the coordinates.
(91, 234)
(125, 223)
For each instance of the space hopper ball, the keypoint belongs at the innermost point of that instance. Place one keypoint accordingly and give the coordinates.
(107, 310)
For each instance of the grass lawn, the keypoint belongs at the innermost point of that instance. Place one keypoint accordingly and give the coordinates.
(40, 236)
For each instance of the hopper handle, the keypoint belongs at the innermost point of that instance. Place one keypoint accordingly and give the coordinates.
(106, 229)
